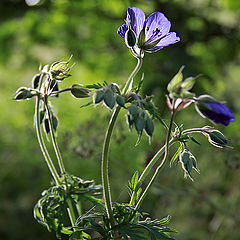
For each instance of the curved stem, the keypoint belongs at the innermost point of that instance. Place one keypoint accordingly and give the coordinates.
(128, 86)
(148, 168)
(106, 146)
(42, 144)
(104, 167)
(53, 138)
(159, 167)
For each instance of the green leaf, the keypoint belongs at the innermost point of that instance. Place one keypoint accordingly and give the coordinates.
(194, 140)
(134, 181)
(175, 155)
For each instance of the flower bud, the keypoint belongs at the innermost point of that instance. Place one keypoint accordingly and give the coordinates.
(60, 70)
(179, 88)
(188, 162)
(216, 138)
(79, 92)
(23, 93)
(209, 107)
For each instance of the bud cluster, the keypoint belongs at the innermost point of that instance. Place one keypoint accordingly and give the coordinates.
(110, 95)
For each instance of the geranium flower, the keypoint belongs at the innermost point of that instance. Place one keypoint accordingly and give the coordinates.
(208, 107)
(152, 34)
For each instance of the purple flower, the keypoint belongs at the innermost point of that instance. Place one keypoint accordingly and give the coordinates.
(208, 107)
(152, 34)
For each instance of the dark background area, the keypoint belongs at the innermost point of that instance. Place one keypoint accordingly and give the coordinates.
(35, 32)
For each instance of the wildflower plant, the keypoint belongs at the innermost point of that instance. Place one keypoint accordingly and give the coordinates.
(60, 209)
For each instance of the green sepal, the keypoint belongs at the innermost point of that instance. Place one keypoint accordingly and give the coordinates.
(188, 83)
(24, 93)
(141, 38)
(176, 81)
(120, 100)
(149, 127)
(98, 96)
(36, 80)
(109, 98)
(130, 38)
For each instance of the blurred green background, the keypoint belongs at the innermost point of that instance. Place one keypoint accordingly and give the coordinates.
(34, 32)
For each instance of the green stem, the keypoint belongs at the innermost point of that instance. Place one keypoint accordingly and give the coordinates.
(106, 146)
(61, 91)
(41, 143)
(159, 167)
(148, 168)
(53, 138)
(104, 167)
(71, 212)
(128, 86)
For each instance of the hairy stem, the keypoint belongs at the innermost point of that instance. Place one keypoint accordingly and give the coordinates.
(148, 168)
(42, 144)
(106, 146)
(53, 138)
(160, 165)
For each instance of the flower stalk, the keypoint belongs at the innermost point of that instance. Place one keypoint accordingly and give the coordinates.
(42, 144)
(106, 145)
(53, 138)
(166, 149)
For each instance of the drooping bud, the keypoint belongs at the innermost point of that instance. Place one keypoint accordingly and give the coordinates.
(78, 92)
(188, 162)
(215, 137)
(24, 93)
(209, 107)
